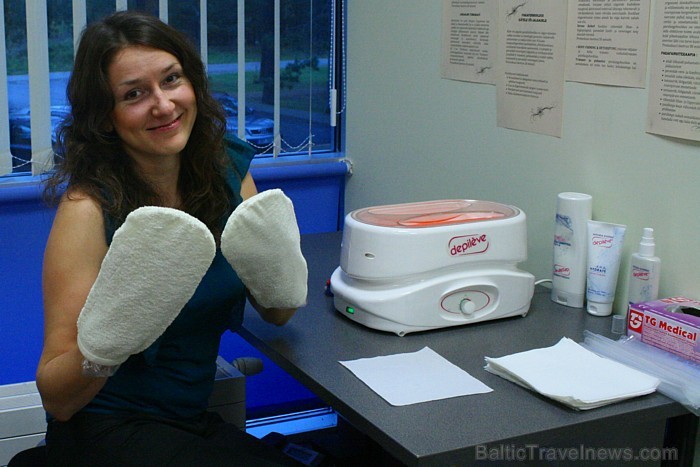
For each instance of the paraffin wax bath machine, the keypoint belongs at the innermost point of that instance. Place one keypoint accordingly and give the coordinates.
(427, 265)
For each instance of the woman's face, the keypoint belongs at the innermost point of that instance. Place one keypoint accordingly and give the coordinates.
(154, 103)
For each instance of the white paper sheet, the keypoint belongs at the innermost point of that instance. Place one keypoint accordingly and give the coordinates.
(573, 375)
(531, 64)
(410, 378)
(607, 42)
(469, 40)
(674, 100)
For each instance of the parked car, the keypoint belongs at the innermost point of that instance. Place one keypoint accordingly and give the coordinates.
(20, 134)
(258, 130)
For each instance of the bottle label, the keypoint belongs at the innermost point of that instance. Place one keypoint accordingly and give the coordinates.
(564, 232)
(641, 274)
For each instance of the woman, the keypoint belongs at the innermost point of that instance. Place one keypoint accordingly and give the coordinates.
(143, 131)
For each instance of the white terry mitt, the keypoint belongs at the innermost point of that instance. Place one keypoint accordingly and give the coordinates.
(152, 268)
(261, 241)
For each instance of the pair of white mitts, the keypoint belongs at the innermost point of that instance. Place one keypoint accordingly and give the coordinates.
(158, 258)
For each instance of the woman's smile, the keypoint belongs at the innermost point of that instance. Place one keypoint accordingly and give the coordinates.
(168, 126)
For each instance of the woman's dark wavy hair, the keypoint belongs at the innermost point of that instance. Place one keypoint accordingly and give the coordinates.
(93, 159)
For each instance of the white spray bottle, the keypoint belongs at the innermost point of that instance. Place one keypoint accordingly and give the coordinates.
(645, 270)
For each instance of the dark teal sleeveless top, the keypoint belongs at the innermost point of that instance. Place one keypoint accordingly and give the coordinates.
(174, 377)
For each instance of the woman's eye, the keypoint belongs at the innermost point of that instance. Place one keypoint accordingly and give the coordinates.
(172, 78)
(131, 95)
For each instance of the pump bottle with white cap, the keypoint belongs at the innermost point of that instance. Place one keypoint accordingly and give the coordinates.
(645, 270)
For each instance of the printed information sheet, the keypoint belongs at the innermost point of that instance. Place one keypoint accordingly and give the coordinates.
(674, 86)
(531, 63)
(607, 42)
(469, 40)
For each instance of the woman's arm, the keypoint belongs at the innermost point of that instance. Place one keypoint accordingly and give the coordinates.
(276, 316)
(74, 253)
(248, 187)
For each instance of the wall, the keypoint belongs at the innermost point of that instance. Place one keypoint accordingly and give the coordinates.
(413, 136)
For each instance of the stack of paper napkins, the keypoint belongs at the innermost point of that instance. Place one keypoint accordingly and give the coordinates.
(573, 375)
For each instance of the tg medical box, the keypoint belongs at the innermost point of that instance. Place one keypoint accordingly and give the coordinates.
(671, 324)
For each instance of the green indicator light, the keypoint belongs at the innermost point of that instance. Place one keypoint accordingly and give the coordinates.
(350, 310)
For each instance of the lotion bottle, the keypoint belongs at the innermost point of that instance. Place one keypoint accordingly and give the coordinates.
(645, 270)
(574, 210)
(604, 255)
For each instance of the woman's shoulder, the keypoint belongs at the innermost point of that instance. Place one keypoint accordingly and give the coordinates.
(78, 229)
(79, 205)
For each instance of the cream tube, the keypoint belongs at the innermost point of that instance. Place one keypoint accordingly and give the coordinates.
(604, 255)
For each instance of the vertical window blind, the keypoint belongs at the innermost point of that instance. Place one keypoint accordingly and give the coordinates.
(5, 155)
(292, 112)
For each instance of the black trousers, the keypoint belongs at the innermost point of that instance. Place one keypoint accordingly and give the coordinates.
(114, 440)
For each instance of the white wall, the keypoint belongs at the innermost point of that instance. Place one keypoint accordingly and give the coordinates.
(413, 136)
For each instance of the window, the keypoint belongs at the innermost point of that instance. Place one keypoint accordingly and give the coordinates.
(280, 60)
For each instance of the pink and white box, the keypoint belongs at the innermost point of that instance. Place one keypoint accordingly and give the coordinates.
(671, 324)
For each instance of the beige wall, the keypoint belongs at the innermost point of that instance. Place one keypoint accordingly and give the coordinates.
(413, 136)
